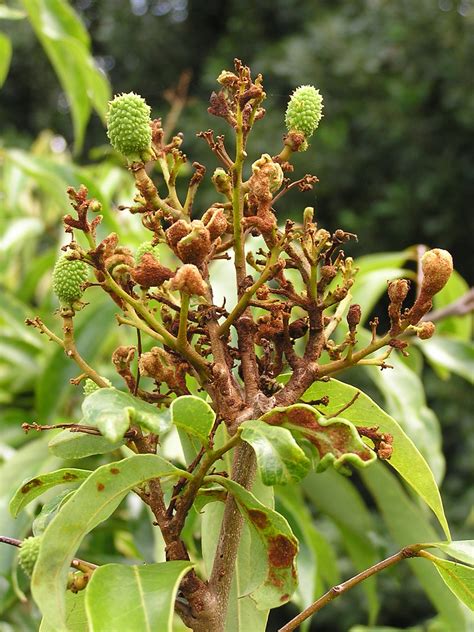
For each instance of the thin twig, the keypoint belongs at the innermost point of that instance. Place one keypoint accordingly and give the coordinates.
(336, 591)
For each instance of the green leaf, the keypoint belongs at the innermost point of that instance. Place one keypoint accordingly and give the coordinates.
(458, 577)
(34, 487)
(6, 13)
(316, 562)
(48, 510)
(31, 459)
(336, 440)
(462, 550)
(193, 415)
(280, 460)
(407, 523)
(450, 354)
(5, 57)
(94, 501)
(458, 326)
(113, 411)
(250, 568)
(405, 401)
(76, 618)
(73, 445)
(120, 597)
(337, 497)
(406, 458)
(67, 45)
(280, 544)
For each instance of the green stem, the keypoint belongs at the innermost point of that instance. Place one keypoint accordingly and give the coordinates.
(188, 353)
(237, 203)
(183, 321)
(194, 484)
(69, 346)
(173, 196)
(246, 297)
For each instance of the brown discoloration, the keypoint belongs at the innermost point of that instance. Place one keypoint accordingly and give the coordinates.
(35, 482)
(69, 476)
(275, 579)
(284, 597)
(333, 438)
(100, 487)
(281, 551)
(114, 470)
(258, 518)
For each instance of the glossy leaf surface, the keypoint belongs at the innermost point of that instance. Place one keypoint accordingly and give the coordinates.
(113, 412)
(336, 440)
(281, 546)
(458, 577)
(34, 487)
(280, 460)
(74, 445)
(5, 57)
(121, 597)
(406, 458)
(194, 416)
(93, 502)
(461, 550)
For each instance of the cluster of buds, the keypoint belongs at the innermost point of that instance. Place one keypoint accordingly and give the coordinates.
(436, 267)
(296, 319)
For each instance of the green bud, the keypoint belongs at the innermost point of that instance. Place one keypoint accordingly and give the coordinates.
(68, 277)
(304, 110)
(146, 246)
(91, 387)
(128, 127)
(28, 554)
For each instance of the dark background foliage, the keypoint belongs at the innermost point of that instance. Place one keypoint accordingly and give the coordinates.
(394, 153)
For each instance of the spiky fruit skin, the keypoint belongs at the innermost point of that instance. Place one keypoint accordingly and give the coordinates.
(128, 127)
(28, 554)
(91, 387)
(146, 247)
(68, 277)
(304, 111)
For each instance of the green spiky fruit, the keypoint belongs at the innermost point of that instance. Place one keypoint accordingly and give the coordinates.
(68, 277)
(128, 127)
(28, 554)
(304, 110)
(90, 386)
(146, 246)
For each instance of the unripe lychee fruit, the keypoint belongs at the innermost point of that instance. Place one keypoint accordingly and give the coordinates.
(28, 554)
(68, 277)
(128, 127)
(146, 247)
(304, 110)
(90, 386)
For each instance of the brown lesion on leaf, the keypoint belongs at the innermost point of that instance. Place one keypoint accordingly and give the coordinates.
(281, 551)
(114, 470)
(35, 482)
(258, 518)
(100, 487)
(69, 476)
(335, 438)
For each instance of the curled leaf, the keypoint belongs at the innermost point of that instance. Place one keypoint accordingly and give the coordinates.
(336, 440)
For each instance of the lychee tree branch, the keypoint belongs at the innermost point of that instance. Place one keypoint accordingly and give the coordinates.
(336, 591)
